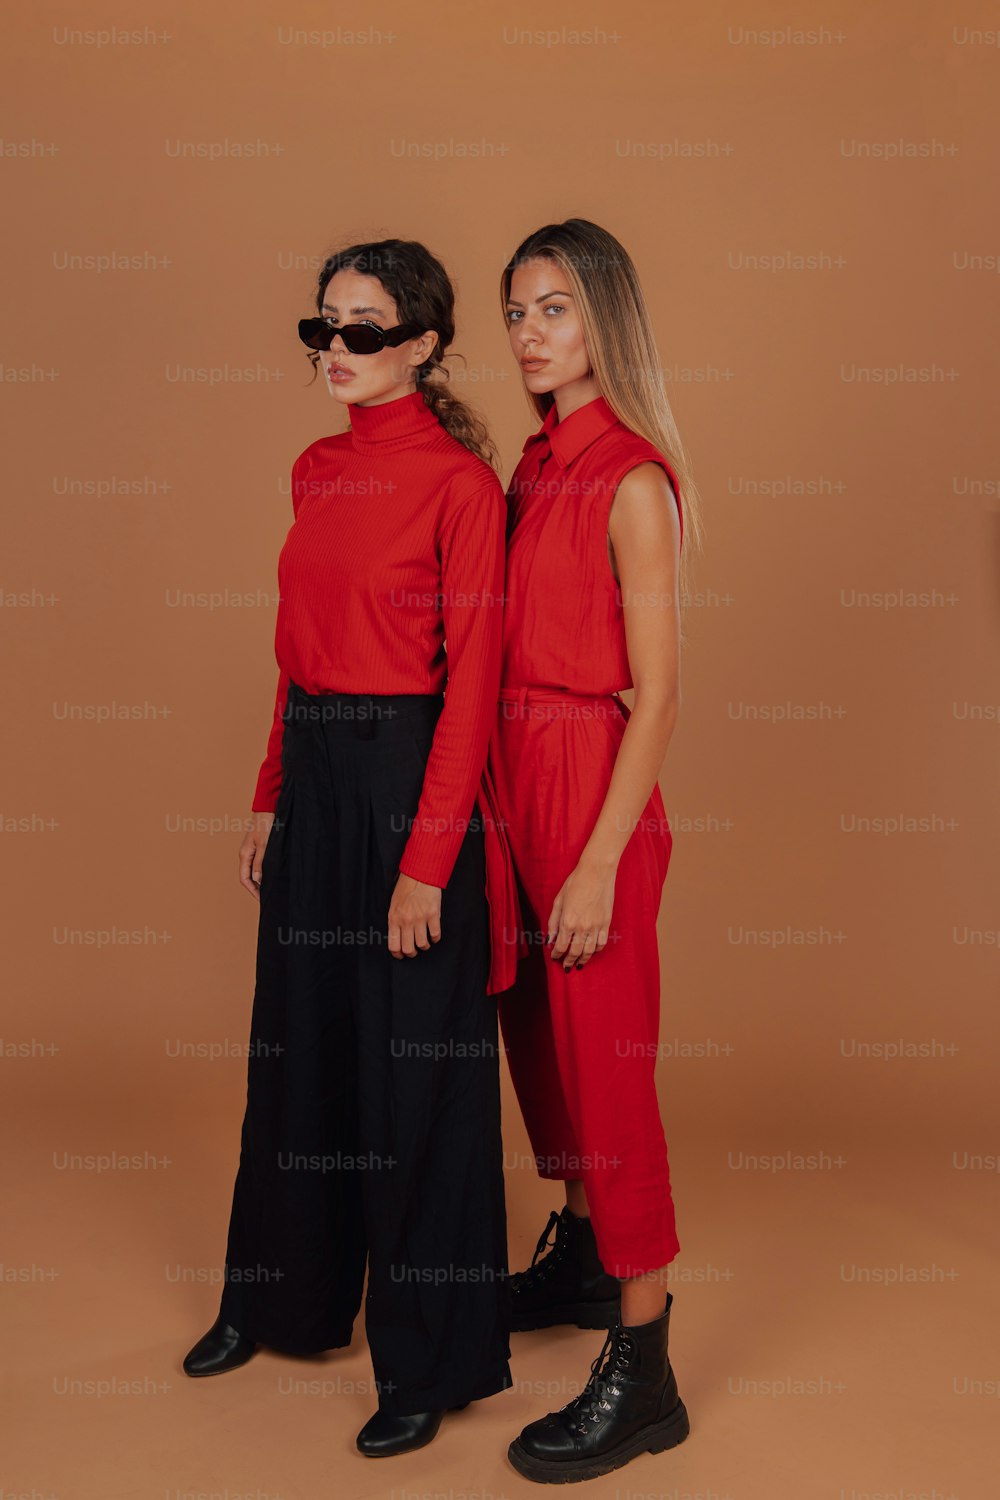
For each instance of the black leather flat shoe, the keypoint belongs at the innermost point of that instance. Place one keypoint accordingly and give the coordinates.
(385, 1434)
(222, 1348)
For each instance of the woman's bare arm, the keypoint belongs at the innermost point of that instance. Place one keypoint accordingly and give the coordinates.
(644, 528)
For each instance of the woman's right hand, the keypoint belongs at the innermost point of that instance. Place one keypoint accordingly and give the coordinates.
(252, 851)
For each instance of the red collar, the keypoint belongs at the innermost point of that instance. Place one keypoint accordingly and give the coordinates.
(568, 438)
(391, 424)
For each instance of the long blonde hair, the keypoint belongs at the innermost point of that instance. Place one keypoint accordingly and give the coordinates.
(622, 350)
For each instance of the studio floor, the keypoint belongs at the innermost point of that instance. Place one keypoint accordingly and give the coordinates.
(833, 1335)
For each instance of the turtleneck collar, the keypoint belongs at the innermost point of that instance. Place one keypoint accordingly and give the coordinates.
(391, 425)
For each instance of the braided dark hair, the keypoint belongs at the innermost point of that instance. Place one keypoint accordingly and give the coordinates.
(423, 294)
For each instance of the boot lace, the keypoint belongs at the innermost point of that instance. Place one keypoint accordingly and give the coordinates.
(539, 1269)
(587, 1410)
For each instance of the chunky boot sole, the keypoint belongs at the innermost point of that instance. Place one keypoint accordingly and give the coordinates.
(583, 1314)
(656, 1438)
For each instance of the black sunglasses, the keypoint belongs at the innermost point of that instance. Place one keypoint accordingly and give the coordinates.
(359, 338)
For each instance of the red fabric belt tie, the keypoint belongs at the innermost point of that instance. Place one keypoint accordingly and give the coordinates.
(507, 940)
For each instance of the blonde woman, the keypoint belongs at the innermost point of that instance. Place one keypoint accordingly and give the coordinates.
(595, 525)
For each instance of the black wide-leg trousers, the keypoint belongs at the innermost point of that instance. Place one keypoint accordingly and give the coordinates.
(372, 1125)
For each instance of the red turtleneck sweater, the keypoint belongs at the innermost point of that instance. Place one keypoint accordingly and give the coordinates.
(397, 547)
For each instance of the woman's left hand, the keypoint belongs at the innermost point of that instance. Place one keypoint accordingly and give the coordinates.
(581, 914)
(414, 917)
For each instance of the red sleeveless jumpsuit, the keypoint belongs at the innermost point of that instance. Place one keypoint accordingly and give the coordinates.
(582, 1045)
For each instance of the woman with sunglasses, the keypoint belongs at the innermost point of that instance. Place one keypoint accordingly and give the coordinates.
(593, 591)
(372, 1125)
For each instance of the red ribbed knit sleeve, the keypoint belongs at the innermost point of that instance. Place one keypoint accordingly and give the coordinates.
(472, 580)
(265, 797)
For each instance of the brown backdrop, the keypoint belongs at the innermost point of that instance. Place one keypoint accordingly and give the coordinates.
(806, 192)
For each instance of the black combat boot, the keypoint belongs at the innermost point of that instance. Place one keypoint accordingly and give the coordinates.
(569, 1285)
(219, 1350)
(629, 1406)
